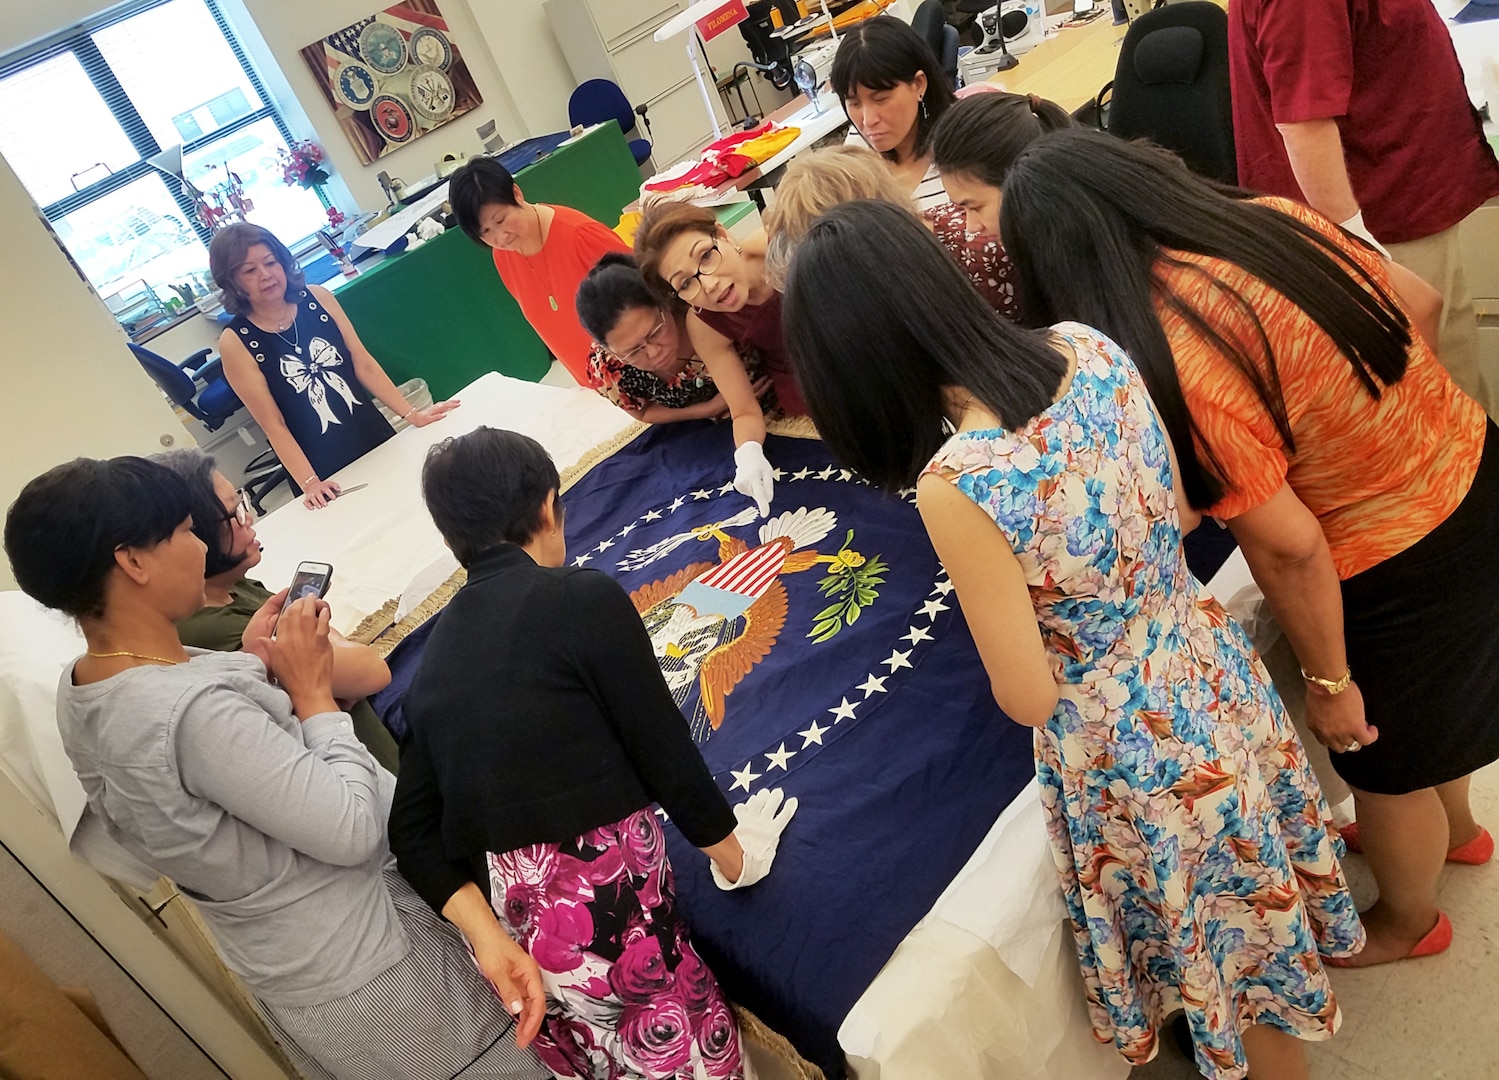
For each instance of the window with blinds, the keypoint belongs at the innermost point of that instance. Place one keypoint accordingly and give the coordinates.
(82, 114)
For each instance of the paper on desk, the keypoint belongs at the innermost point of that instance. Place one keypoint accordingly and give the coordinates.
(399, 224)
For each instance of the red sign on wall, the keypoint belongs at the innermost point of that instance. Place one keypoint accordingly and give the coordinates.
(725, 18)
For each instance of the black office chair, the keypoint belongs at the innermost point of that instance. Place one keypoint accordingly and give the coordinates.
(1171, 86)
(930, 21)
(772, 54)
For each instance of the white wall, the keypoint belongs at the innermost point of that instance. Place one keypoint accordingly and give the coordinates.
(71, 388)
(521, 41)
(278, 29)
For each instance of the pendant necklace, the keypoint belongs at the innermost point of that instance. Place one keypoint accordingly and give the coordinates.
(551, 296)
(296, 337)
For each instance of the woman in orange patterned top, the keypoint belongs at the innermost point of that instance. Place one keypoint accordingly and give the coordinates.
(1313, 418)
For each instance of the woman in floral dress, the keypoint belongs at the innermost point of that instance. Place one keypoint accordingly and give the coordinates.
(1193, 845)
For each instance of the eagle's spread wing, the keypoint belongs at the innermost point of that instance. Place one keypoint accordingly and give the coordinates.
(725, 666)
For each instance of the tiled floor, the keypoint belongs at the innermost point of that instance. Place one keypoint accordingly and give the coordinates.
(1432, 1019)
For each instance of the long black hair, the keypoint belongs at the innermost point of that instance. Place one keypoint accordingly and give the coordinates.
(982, 135)
(874, 350)
(877, 54)
(613, 287)
(1088, 217)
(62, 531)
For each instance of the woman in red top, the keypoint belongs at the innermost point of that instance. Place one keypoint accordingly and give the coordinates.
(542, 252)
(1310, 415)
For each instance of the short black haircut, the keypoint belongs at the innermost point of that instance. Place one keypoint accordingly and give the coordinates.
(877, 54)
(62, 531)
(874, 351)
(613, 287)
(482, 182)
(197, 469)
(487, 488)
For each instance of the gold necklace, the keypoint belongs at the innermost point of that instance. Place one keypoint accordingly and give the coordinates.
(551, 296)
(133, 655)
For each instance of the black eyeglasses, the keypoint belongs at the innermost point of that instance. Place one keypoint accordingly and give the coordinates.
(650, 339)
(243, 512)
(707, 263)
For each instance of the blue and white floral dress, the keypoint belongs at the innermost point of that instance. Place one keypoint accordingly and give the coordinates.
(1195, 849)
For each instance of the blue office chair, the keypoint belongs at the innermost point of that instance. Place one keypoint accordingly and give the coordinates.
(598, 100)
(212, 404)
(930, 22)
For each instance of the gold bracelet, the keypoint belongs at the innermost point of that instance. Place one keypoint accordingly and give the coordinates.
(1333, 687)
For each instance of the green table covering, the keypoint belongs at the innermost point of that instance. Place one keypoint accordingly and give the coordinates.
(441, 312)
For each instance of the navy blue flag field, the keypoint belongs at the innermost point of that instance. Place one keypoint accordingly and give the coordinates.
(820, 651)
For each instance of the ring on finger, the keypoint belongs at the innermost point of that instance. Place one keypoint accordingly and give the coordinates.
(1353, 746)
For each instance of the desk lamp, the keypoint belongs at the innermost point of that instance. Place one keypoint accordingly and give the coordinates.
(674, 26)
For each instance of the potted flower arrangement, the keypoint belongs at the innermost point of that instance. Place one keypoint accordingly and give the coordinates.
(302, 165)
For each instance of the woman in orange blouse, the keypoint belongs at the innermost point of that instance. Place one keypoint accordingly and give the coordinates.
(1311, 417)
(542, 253)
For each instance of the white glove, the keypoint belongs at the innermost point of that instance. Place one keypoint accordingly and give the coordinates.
(753, 476)
(762, 819)
(1356, 226)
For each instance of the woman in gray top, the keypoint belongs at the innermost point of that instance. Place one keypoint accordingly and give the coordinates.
(254, 796)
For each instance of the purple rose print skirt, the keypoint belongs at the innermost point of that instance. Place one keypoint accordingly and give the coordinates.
(628, 995)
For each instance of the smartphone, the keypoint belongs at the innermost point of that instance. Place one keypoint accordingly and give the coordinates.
(311, 579)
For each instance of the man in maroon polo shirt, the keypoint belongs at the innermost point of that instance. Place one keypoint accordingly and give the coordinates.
(1357, 108)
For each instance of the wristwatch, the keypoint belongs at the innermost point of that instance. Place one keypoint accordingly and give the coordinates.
(1332, 687)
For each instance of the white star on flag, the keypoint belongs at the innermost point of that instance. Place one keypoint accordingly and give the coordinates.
(813, 734)
(875, 684)
(743, 777)
(801, 474)
(898, 660)
(904, 493)
(842, 711)
(942, 587)
(605, 545)
(777, 473)
(702, 493)
(676, 504)
(581, 559)
(845, 475)
(917, 635)
(827, 473)
(627, 530)
(930, 608)
(779, 758)
(727, 488)
(652, 515)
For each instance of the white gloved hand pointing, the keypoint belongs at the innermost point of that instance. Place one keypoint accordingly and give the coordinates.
(762, 818)
(753, 476)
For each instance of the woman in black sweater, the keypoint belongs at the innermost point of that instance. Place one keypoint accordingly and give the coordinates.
(541, 734)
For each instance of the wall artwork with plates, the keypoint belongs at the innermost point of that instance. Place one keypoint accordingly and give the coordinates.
(392, 77)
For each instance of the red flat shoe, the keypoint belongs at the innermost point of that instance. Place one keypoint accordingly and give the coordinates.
(1475, 852)
(1437, 940)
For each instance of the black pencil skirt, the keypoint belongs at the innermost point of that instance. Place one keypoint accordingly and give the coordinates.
(1422, 630)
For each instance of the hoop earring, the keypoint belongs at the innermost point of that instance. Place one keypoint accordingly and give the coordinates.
(695, 309)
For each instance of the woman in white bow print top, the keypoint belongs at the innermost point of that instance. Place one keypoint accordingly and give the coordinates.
(294, 359)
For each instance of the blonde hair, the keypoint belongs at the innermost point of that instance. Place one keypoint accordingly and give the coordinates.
(815, 183)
